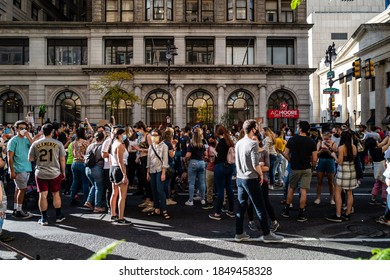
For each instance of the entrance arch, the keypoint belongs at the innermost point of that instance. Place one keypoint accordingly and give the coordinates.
(156, 107)
(276, 100)
(240, 107)
(200, 108)
(11, 107)
(67, 107)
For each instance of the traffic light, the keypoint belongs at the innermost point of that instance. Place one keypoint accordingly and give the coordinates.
(332, 103)
(372, 68)
(367, 69)
(357, 68)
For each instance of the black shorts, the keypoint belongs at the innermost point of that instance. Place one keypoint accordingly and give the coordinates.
(116, 175)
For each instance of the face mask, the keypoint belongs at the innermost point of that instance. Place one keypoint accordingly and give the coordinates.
(124, 137)
(22, 132)
(336, 135)
(156, 139)
(297, 131)
(289, 133)
(139, 134)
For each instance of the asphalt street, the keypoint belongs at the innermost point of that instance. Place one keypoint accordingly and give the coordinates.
(191, 235)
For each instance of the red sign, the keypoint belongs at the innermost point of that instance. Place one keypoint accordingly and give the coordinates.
(277, 114)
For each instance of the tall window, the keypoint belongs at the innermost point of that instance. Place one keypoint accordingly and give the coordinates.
(11, 107)
(280, 51)
(240, 51)
(156, 49)
(240, 10)
(199, 10)
(67, 52)
(159, 9)
(18, 4)
(119, 10)
(271, 10)
(156, 107)
(122, 111)
(119, 51)
(68, 107)
(240, 106)
(286, 14)
(200, 108)
(14, 51)
(34, 12)
(199, 51)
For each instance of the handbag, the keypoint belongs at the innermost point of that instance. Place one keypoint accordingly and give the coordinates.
(169, 172)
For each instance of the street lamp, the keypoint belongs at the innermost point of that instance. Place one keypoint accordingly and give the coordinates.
(171, 51)
(354, 113)
(330, 55)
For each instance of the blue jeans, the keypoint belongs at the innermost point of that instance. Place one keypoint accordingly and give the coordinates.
(250, 189)
(278, 167)
(272, 161)
(79, 177)
(96, 177)
(159, 197)
(223, 180)
(196, 169)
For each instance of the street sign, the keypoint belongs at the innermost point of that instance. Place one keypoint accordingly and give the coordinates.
(330, 91)
(330, 75)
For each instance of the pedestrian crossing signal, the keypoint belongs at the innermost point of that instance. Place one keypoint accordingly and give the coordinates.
(369, 68)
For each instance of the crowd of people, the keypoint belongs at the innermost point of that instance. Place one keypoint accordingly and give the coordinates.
(97, 166)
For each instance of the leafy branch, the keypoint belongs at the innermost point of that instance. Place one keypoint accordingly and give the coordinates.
(295, 3)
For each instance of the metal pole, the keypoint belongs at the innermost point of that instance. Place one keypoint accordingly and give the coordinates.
(169, 57)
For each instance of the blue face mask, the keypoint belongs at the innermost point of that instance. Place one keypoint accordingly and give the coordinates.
(124, 137)
(139, 134)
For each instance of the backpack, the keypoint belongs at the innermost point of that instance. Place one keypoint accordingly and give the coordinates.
(90, 158)
(231, 156)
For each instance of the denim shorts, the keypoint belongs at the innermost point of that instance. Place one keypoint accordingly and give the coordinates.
(326, 165)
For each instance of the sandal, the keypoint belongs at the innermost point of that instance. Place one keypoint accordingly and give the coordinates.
(166, 215)
(153, 213)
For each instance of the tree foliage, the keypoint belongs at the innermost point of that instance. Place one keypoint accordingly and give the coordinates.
(116, 86)
(295, 4)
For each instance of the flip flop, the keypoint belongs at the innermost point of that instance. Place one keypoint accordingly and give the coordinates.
(166, 216)
(153, 213)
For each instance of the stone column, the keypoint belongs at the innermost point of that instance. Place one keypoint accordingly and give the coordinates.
(365, 100)
(139, 51)
(344, 103)
(260, 51)
(179, 117)
(137, 109)
(221, 100)
(263, 104)
(220, 47)
(380, 95)
(95, 50)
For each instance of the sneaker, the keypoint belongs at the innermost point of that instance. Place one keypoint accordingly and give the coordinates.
(285, 213)
(271, 238)
(382, 220)
(189, 203)
(230, 214)
(301, 217)
(6, 238)
(114, 218)
(43, 222)
(122, 222)
(334, 218)
(384, 204)
(60, 219)
(241, 237)
(197, 198)
(346, 217)
(13, 213)
(143, 204)
(148, 209)
(207, 206)
(290, 206)
(274, 226)
(23, 215)
(223, 209)
(252, 226)
(317, 201)
(203, 202)
(345, 209)
(215, 216)
(332, 202)
(170, 201)
(373, 201)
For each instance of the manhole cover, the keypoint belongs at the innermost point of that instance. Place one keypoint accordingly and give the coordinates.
(364, 230)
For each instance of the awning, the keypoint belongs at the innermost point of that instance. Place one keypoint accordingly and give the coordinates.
(371, 120)
(386, 120)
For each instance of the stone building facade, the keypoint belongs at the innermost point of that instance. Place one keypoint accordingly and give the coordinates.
(236, 59)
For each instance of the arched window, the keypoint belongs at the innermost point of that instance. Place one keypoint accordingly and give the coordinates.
(11, 107)
(200, 107)
(156, 108)
(240, 107)
(122, 111)
(275, 100)
(68, 107)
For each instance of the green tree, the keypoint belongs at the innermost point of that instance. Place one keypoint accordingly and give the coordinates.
(227, 120)
(115, 87)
